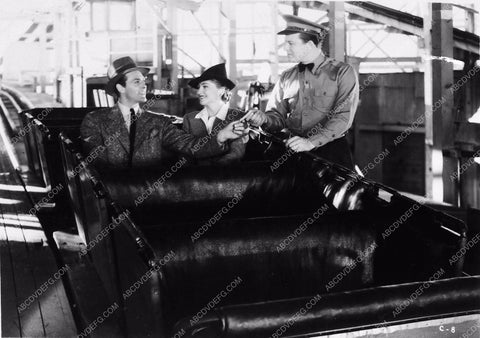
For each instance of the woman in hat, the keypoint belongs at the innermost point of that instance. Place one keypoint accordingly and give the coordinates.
(214, 93)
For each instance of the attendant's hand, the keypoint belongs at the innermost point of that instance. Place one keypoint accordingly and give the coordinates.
(232, 131)
(255, 117)
(299, 144)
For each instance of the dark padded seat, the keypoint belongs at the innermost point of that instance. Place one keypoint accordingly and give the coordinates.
(251, 250)
(199, 192)
(339, 311)
(42, 144)
(323, 252)
(246, 241)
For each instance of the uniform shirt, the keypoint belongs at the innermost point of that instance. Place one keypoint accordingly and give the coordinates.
(126, 113)
(319, 105)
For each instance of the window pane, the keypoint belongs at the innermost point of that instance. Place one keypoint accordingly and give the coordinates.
(99, 16)
(121, 15)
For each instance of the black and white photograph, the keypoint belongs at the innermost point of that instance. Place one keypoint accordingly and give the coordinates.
(239, 169)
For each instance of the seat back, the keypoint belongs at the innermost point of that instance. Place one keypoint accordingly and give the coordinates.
(92, 215)
(71, 161)
(31, 146)
(42, 143)
(364, 313)
(248, 189)
(274, 258)
(259, 254)
(263, 238)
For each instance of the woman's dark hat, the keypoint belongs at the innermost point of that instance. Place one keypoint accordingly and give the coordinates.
(217, 72)
(119, 68)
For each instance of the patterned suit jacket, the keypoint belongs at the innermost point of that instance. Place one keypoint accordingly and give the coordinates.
(106, 139)
(196, 127)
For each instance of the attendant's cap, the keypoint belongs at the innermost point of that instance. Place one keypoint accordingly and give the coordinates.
(296, 24)
(119, 68)
(217, 72)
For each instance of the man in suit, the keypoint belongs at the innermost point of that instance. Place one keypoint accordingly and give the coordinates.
(126, 135)
(315, 100)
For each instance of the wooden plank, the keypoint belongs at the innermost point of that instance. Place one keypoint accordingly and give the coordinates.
(31, 322)
(43, 306)
(57, 315)
(10, 323)
(90, 297)
(54, 307)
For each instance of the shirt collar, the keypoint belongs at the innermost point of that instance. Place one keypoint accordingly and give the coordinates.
(126, 110)
(222, 113)
(320, 60)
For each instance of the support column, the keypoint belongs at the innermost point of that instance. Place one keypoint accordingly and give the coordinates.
(232, 49)
(58, 40)
(336, 35)
(274, 51)
(172, 25)
(439, 123)
(158, 54)
(42, 28)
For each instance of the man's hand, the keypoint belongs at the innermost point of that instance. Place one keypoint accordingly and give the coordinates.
(255, 117)
(299, 144)
(232, 131)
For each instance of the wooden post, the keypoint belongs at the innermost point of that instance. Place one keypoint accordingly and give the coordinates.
(59, 30)
(274, 52)
(172, 24)
(439, 124)
(43, 55)
(336, 37)
(232, 49)
(158, 54)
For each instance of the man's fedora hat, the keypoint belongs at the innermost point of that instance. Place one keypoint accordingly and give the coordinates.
(217, 72)
(119, 68)
(296, 24)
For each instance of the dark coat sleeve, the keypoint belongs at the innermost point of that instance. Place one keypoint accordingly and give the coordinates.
(237, 147)
(93, 142)
(187, 144)
(186, 124)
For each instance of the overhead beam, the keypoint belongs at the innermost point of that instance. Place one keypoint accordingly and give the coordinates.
(389, 21)
(412, 28)
(209, 37)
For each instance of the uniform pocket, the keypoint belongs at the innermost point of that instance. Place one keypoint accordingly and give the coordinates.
(324, 98)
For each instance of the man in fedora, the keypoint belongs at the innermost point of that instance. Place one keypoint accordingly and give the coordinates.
(126, 135)
(315, 100)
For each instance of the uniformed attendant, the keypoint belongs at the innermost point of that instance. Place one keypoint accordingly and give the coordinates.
(315, 99)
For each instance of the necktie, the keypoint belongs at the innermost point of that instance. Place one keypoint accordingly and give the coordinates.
(133, 128)
(302, 66)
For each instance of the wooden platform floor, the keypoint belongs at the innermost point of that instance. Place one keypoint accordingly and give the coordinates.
(33, 299)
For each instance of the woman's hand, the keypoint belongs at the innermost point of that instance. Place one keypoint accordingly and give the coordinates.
(232, 131)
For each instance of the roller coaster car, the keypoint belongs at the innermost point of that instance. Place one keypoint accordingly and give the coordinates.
(41, 129)
(303, 249)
